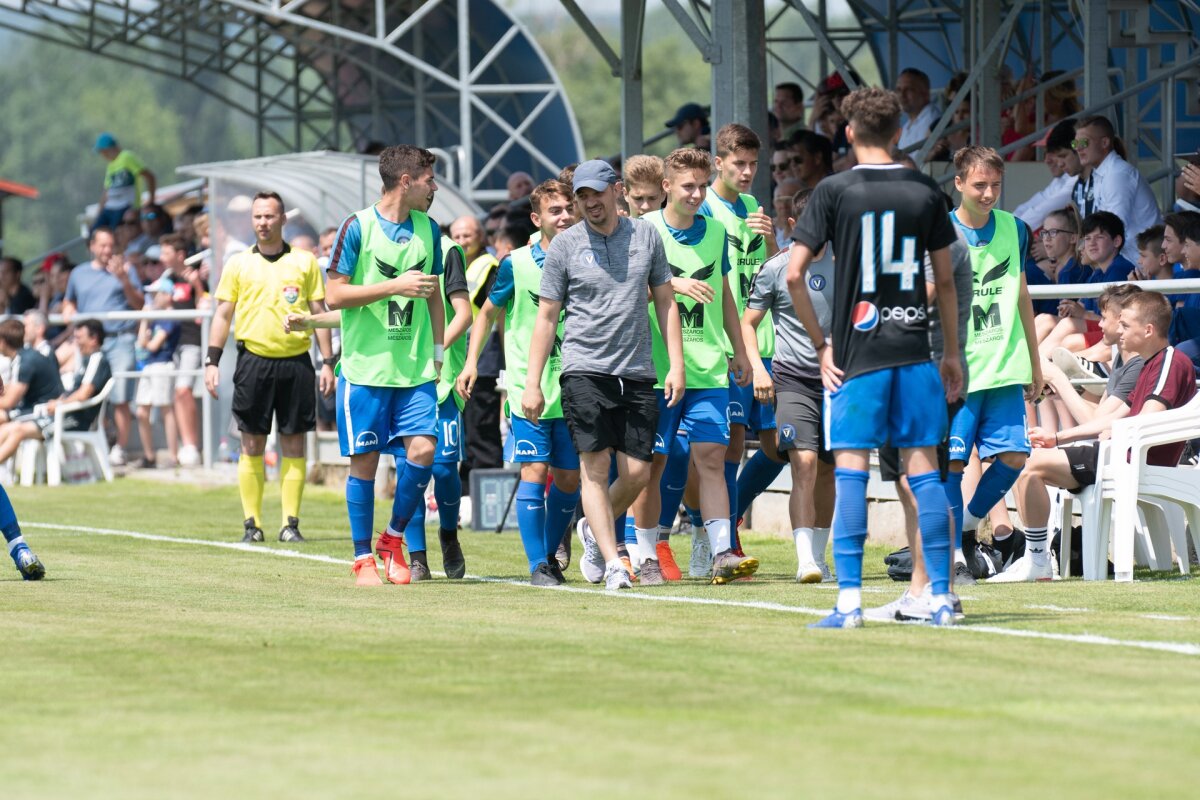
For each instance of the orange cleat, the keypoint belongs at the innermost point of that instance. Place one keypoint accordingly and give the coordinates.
(666, 562)
(366, 572)
(629, 569)
(391, 550)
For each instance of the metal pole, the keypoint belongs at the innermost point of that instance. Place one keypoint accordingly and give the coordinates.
(740, 77)
(206, 404)
(1095, 51)
(633, 17)
(467, 175)
(986, 110)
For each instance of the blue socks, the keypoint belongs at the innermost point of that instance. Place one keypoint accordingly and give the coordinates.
(560, 509)
(759, 473)
(850, 525)
(531, 521)
(410, 492)
(360, 505)
(447, 491)
(8, 524)
(731, 469)
(694, 517)
(674, 481)
(935, 528)
(955, 499)
(997, 479)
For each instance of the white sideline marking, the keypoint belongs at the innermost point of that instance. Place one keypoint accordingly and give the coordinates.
(1178, 648)
(1167, 617)
(1061, 609)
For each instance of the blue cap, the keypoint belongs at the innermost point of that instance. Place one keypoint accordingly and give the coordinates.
(594, 174)
(105, 141)
(686, 112)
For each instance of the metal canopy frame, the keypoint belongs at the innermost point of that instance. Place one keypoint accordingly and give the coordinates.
(462, 75)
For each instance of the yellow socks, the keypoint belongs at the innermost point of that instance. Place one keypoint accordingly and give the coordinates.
(252, 477)
(291, 477)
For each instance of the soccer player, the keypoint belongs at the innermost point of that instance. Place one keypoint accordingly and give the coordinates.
(382, 277)
(882, 387)
(643, 185)
(751, 240)
(1002, 356)
(598, 271)
(274, 377)
(543, 447)
(796, 392)
(696, 251)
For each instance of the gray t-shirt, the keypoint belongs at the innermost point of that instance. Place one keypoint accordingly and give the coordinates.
(1124, 375)
(601, 282)
(795, 366)
(960, 260)
(94, 290)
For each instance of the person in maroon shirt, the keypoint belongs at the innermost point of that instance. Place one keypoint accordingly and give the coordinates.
(1067, 459)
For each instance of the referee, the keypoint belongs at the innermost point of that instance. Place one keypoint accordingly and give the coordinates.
(274, 377)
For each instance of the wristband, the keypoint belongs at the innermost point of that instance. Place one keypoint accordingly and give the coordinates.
(1056, 440)
(438, 352)
(821, 346)
(214, 356)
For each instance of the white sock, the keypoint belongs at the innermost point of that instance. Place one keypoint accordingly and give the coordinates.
(635, 552)
(959, 558)
(647, 541)
(1037, 546)
(804, 545)
(970, 521)
(664, 533)
(820, 543)
(941, 600)
(718, 534)
(365, 557)
(614, 564)
(849, 600)
(393, 532)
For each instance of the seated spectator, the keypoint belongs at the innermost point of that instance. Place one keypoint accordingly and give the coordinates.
(1057, 193)
(91, 376)
(1059, 244)
(1187, 186)
(125, 178)
(34, 376)
(956, 140)
(788, 106)
(781, 163)
(53, 292)
(812, 158)
(1117, 186)
(1174, 227)
(15, 297)
(1060, 102)
(920, 115)
(690, 124)
(519, 185)
(157, 341)
(1152, 262)
(827, 118)
(35, 332)
(1068, 458)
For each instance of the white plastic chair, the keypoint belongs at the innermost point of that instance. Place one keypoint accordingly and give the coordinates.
(93, 438)
(30, 462)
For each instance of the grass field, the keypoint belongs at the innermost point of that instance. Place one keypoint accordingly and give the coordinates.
(148, 668)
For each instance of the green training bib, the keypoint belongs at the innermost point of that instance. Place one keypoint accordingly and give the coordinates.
(747, 253)
(456, 354)
(519, 321)
(997, 354)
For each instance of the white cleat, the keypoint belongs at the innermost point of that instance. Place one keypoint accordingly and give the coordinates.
(809, 573)
(591, 564)
(1023, 570)
(615, 577)
(903, 607)
(700, 565)
(826, 573)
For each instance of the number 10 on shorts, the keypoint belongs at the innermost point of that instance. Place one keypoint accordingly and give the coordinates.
(906, 267)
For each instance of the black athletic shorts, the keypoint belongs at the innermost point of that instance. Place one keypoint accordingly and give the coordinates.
(603, 412)
(1083, 457)
(283, 388)
(798, 416)
(890, 468)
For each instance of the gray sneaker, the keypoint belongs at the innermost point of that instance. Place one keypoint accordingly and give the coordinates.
(542, 576)
(700, 565)
(615, 577)
(591, 564)
(729, 566)
(895, 610)
(418, 566)
(826, 573)
(651, 573)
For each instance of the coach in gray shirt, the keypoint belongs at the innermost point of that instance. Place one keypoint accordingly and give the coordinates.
(599, 272)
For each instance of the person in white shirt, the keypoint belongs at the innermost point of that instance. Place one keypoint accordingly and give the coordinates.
(1057, 193)
(1117, 186)
(920, 115)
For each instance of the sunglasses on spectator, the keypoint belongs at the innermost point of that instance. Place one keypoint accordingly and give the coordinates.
(1050, 233)
(781, 167)
(1080, 143)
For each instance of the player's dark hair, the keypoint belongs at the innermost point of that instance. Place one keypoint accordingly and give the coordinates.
(403, 159)
(1151, 308)
(873, 114)
(1117, 296)
(974, 155)
(1104, 221)
(734, 137)
(12, 333)
(94, 329)
(1151, 239)
(269, 195)
(800, 201)
(549, 188)
(1186, 224)
(515, 235)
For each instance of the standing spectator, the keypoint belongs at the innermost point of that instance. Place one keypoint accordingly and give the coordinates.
(519, 185)
(691, 126)
(789, 108)
(54, 291)
(920, 114)
(157, 339)
(35, 377)
(125, 178)
(828, 120)
(105, 284)
(15, 297)
(187, 288)
(812, 158)
(325, 247)
(1117, 186)
(1057, 193)
(782, 201)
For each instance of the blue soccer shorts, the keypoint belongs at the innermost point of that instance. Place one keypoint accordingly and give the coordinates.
(901, 406)
(701, 412)
(745, 410)
(547, 442)
(376, 419)
(992, 420)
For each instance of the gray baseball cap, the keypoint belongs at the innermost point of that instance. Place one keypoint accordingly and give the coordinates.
(594, 174)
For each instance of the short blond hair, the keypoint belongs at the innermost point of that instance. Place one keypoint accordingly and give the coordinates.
(688, 159)
(643, 169)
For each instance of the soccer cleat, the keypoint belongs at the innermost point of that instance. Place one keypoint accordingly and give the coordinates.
(839, 620)
(700, 565)
(453, 562)
(902, 608)
(826, 573)
(729, 566)
(666, 562)
(962, 575)
(366, 571)
(563, 554)
(1023, 570)
(958, 609)
(418, 567)
(633, 576)
(1076, 367)
(615, 577)
(391, 550)
(253, 532)
(291, 531)
(559, 578)
(651, 574)
(591, 565)
(809, 573)
(28, 565)
(943, 617)
(542, 576)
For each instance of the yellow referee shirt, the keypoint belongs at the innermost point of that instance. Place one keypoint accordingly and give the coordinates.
(266, 290)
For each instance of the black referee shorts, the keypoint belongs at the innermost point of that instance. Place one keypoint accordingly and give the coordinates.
(603, 412)
(280, 388)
